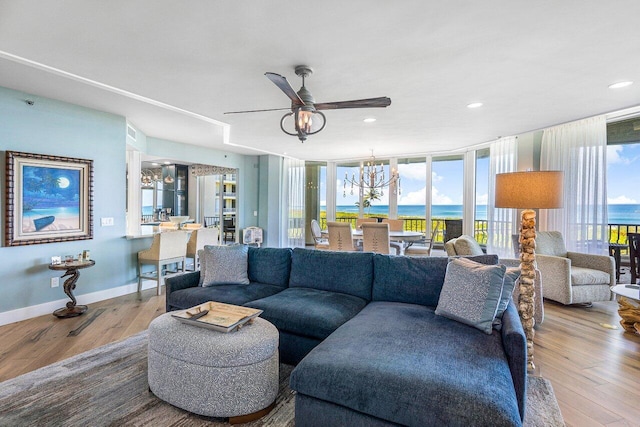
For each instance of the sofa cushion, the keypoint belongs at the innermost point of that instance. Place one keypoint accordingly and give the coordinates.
(345, 272)
(223, 265)
(465, 245)
(471, 293)
(416, 368)
(416, 280)
(230, 294)
(270, 265)
(588, 276)
(309, 312)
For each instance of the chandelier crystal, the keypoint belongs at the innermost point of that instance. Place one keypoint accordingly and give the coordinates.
(371, 178)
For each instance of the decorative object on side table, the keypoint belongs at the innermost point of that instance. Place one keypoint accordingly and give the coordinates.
(528, 190)
(628, 307)
(71, 269)
(218, 316)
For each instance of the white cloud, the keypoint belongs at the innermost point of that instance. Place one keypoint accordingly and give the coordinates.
(418, 197)
(413, 171)
(439, 199)
(435, 177)
(482, 199)
(621, 200)
(614, 157)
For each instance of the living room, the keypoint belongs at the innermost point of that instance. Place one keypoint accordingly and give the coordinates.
(161, 71)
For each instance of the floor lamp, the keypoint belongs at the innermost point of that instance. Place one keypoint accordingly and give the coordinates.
(528, 190)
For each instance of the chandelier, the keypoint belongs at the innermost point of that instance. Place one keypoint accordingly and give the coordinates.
(148, 178)
(371, 178)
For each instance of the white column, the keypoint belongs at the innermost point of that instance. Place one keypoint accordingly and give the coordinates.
(429, 187)
(393, 190)
(331, 191)
(469, 193)
(134, 196)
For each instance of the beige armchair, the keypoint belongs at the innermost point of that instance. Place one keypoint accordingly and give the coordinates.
(169, 247)
(463, 245)
(572, 277)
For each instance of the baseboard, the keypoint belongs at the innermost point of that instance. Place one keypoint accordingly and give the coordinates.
(25, 313)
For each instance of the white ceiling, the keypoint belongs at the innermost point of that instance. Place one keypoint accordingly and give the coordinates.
(173, 68)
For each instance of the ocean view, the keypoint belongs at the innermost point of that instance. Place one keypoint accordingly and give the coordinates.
(618, 214)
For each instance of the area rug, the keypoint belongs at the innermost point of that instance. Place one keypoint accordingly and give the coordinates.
(107, 386)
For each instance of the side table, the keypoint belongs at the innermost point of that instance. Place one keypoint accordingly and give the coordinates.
(628, 306)
(71, 269)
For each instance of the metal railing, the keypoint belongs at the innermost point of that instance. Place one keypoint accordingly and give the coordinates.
(617, 232)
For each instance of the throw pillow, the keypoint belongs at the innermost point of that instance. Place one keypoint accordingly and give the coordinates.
(223, 265)
(511, 276)
(471, 293)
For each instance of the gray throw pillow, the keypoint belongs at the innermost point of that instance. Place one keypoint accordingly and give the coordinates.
(471, 293)
(511, 276)
(223, 265)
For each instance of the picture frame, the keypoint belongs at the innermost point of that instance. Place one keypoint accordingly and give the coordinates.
(48, 199)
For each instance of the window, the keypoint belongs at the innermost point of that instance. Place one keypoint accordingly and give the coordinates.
(482, 195)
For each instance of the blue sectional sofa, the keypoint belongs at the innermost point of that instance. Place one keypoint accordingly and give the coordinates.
(367, 343)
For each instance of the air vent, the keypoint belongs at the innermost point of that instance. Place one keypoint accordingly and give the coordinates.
(131, 132)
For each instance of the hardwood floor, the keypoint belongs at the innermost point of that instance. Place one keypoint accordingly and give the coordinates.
(595, 371)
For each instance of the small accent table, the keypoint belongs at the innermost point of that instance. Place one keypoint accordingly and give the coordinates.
(71, 268)
(628, 306)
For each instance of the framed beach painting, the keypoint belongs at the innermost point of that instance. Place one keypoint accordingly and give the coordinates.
(49, 199)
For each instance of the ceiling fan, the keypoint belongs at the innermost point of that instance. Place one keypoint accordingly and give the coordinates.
(307, 114)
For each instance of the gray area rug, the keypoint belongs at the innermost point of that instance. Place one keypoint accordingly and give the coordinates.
(107, 386)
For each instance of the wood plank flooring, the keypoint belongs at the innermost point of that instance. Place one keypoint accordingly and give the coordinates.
(595, 371)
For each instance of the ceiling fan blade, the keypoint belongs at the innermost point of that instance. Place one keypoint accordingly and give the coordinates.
(359, 103)
(257, 111)
(284, 86)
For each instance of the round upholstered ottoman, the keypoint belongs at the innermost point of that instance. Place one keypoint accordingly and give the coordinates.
(212, 373)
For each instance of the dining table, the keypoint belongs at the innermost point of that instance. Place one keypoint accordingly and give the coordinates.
(404, 237)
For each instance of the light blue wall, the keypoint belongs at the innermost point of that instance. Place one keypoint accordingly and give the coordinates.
(58, 128)
(269, 198)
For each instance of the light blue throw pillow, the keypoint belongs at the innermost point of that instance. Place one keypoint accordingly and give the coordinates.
(471, 293)
(223, 265)
(511, 276)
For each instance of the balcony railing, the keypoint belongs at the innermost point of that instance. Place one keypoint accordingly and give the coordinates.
(617, 232)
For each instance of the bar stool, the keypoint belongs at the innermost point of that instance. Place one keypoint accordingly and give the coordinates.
(167, 248)
(198, 240)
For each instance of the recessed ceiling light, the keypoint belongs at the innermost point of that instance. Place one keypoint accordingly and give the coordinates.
(155, 164)
(474, 105)
(620, 85)
(369, 120)
(167, 163)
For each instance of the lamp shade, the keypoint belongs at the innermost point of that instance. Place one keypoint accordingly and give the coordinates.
(529, 190)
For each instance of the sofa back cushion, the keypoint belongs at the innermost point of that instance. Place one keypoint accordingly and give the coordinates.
(345, 272)
(271, 266)
(550, 243)
(413, 280)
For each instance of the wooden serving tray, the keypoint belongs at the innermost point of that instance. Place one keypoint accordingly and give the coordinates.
(220, 317)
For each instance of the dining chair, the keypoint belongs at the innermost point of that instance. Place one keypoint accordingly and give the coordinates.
(197, 241)
(394, 224)
(316, 232)
(166, 248)
(375, 238)
(634, 255)
(340, 236)
(424, 249)
(360, 221)
(228, 229)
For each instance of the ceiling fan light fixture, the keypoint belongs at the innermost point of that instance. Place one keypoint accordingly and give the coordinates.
(306, 121)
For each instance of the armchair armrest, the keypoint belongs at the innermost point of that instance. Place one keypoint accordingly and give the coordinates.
(604, 263)
(180, 281)
(514, 342)
(556, 273)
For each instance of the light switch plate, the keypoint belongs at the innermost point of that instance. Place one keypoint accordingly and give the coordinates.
(106, 222)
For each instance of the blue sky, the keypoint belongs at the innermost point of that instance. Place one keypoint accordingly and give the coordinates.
(623, 180)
